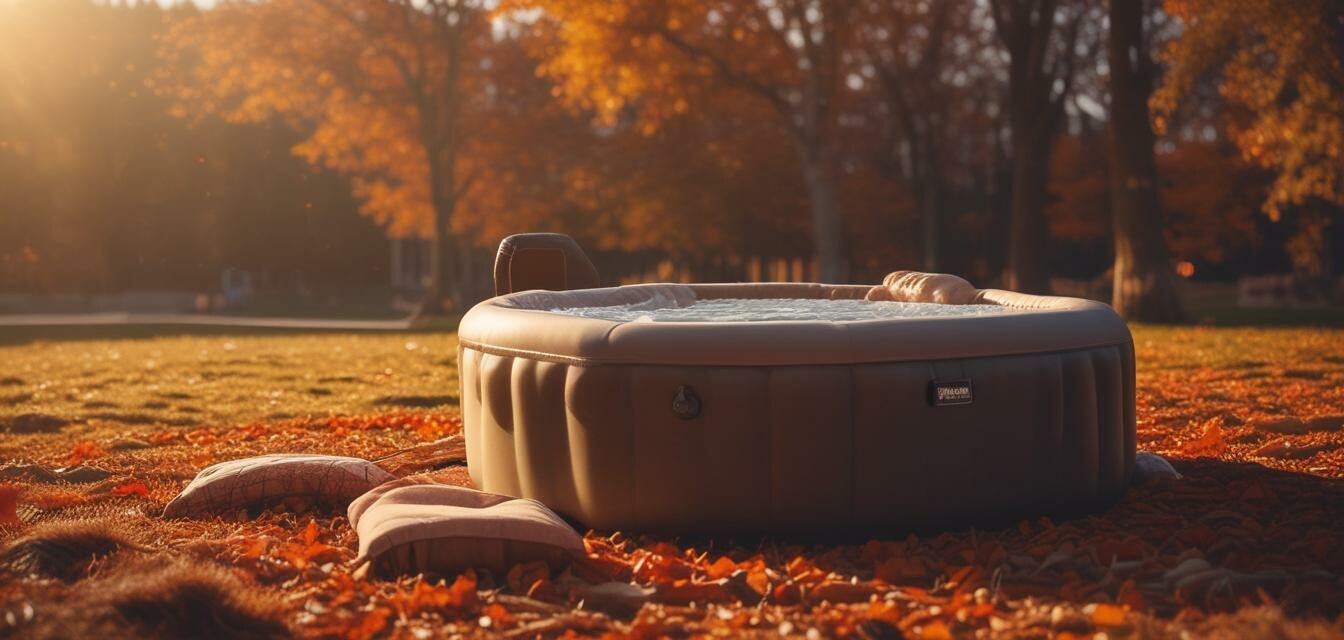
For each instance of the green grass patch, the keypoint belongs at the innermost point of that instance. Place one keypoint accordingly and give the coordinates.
(205, 376)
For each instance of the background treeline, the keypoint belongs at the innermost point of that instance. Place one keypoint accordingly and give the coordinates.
(146, 147)
(103, 189)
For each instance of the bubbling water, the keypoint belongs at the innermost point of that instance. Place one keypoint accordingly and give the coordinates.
(663, 309)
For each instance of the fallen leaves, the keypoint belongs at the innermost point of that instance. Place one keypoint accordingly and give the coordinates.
(1288, 449)
(9, 504)
(1228, 535)
(1106, 615)
(459, 596)
(1211, 443)
(306, 550)
(136, 488)
(83, 451)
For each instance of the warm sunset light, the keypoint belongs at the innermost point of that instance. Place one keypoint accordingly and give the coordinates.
(671, 318)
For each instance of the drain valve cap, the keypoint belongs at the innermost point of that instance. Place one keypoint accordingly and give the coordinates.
(686, 404)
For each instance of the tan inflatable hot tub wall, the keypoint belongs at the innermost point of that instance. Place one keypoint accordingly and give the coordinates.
(813, 428)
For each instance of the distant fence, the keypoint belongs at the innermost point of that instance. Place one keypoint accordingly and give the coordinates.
(1288, 290)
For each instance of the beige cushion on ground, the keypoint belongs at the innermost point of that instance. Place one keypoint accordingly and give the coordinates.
(251, 483)
(915, 286)
(407, 527)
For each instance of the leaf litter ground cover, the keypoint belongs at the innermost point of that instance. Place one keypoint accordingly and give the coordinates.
(1247, 544)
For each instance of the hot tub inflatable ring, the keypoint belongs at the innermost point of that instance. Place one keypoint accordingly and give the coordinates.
(633, 408)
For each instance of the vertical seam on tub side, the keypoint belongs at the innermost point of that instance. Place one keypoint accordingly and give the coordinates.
(517, 397)
(852, 507)
(771, 519)
(853, 445)
(1111, 444)
(1057, 452)
(1128, 407)
(562, 474)
(627, 380)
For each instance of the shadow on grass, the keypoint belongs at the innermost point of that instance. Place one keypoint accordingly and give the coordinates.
(1226, 536)
(419, 402)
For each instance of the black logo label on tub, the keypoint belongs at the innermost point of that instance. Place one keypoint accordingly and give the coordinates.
(948, 392)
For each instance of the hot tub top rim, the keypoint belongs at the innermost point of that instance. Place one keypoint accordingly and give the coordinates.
(522, 324)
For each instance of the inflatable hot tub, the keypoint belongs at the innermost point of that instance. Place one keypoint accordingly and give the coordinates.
(791, 408)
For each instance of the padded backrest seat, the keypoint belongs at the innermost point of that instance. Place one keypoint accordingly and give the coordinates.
(549, 261)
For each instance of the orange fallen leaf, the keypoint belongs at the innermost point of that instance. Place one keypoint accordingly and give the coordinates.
(759, 581)
(597, 569)
(787, 594)
(135, 488)
(369, 625)
(838, 592)
(898, 570)
(82, 451)
(497, 614)
(164, 437)
(58, 498)
(684, 592)
(9, 504)
(1131, 597)
(256, 548)
(936, 630)
(461, 594)
(1211, 443)
(722, 568)
(1108, 615)
(310, 533)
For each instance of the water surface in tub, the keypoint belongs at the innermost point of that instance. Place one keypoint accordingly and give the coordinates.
(664, 309)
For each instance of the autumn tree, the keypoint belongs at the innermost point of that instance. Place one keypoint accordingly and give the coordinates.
(657, 59)
(1280, 66)
(922, 60)
(1209, 199)
(1042, 39)
(1143, 288)
(388, 92)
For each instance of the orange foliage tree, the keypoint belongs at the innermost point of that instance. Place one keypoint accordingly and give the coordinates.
(389, 92)
(1280, 65)
(1281, 62)
(652, 60)
(1208, 198)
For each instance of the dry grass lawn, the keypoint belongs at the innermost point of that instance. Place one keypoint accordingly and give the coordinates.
(1248, 544)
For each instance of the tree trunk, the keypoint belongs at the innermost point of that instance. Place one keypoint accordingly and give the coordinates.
(1028, 236)
(443, 247)
(1035, 108)
(827, 226)
(930, 205)
(999, 188)
(442, 253)
(1143, 286)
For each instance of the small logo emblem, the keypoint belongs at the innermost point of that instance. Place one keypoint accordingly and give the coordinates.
(943, 393)
(686, 404)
